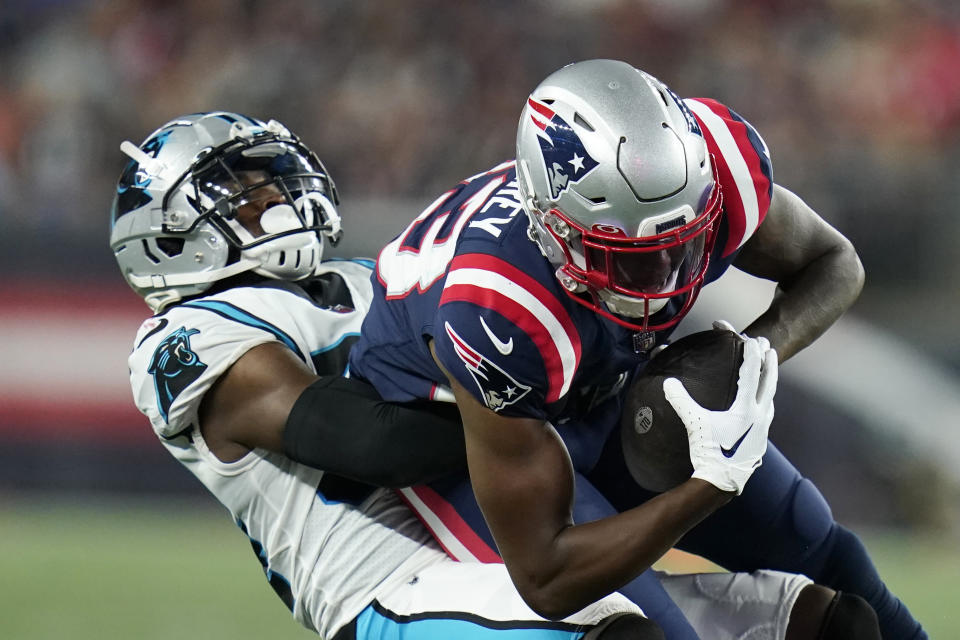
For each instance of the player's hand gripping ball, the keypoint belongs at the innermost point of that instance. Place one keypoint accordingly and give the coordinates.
(655, 443)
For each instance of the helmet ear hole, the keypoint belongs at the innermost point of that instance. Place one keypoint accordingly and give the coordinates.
(577, 118)
(171, 247)
(148, 254)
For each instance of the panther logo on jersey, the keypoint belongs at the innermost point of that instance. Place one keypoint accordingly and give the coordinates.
(498, 389)
(564, 156)
(174, 367)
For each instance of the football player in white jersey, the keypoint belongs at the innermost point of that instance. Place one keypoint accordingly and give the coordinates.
(219, 223)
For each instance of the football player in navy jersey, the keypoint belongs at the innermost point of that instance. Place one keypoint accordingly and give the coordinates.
(531, 294)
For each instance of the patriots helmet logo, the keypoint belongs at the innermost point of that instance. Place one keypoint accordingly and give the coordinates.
(497, 387)
(564, 156)
(174, 367)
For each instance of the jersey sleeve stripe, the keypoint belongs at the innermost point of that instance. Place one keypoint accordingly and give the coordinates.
(456, 537)
(231, 312)
(554, 365)
(737, 157)
(494, 284)
(503, 166)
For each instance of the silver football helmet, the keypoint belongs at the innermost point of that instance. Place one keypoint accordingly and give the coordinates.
(620, 191)
(211, 195)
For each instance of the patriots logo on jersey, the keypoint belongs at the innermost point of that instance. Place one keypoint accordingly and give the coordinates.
(174, 366)
(564, 156)
(498, 389)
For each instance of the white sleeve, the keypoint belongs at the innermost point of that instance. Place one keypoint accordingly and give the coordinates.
(179, 355)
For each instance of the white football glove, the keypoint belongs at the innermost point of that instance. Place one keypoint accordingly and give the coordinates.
(726, 446)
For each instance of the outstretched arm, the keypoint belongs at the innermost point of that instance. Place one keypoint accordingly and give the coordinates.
(816, 268)
(269, 399)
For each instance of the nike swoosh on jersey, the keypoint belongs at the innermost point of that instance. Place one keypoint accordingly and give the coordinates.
(506, 348)
(729, 453)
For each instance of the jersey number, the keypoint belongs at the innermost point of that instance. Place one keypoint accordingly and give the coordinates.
(402, 269)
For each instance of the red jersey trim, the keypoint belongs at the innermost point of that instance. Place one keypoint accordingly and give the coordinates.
(494, 284)
(746, 187)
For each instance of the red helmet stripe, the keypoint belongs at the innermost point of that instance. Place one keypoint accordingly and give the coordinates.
(540, 108)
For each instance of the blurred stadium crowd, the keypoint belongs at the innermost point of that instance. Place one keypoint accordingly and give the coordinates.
(858, 100)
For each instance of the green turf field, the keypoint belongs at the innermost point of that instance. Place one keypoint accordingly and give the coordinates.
(144, 571)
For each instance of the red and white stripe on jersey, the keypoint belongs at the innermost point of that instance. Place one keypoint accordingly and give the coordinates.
(495, 284)
(503, 166)
(454, 534)
(441, 393)
(746, 192)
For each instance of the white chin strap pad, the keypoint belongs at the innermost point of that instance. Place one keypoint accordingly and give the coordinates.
(279, 218)
(290, 257)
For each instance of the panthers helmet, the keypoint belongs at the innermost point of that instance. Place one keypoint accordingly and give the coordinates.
(620, 191)
(208, 196)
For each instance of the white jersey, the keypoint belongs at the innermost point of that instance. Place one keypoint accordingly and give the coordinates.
(327, 559)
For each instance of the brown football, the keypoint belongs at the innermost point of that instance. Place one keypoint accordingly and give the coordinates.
(654, 438)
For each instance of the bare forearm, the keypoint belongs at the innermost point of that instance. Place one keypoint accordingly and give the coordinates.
(589, 561)
(816, 268)
(805, 306)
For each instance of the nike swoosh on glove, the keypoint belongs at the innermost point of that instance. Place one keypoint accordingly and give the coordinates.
(727, 446)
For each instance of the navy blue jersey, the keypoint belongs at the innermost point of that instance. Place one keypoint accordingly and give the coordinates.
(465, 275)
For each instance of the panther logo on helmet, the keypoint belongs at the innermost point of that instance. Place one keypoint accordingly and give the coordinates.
(561, 146)
(131, 188)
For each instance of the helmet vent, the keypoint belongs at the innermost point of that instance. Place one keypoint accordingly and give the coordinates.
(663, 97)
(597, 200)
(146, 251)
(172, 247)
(282, 259)
(583, 123)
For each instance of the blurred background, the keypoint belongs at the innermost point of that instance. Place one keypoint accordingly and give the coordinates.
(858, 100)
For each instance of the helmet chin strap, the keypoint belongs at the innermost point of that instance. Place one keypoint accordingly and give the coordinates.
(289, 257)
(279, 218)
(162, 281)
